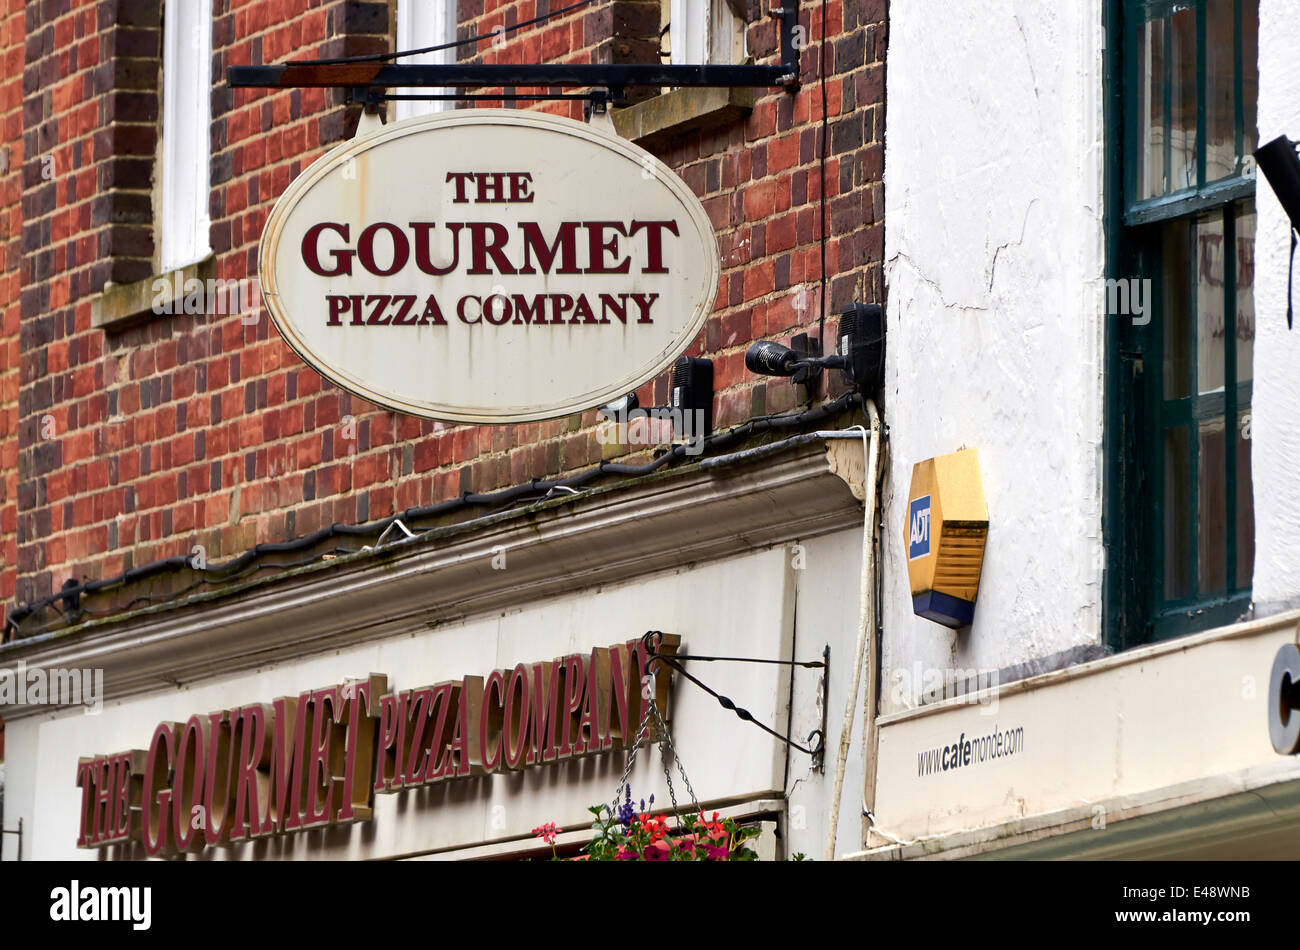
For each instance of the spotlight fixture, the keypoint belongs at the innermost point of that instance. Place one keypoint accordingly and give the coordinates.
(620, 408)
(862, 345)
(771, 359)
(1280, 163)
(692, 395)
(860, 357)
(691, 398)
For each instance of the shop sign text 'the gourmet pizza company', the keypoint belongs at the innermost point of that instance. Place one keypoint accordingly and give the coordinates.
(488, 266)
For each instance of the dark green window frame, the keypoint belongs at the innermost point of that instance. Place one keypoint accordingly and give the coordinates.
(1181, 185)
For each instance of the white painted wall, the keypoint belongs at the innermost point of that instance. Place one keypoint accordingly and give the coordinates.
(826, 613)
(744, 606)
(1275, 443)
(994, 265)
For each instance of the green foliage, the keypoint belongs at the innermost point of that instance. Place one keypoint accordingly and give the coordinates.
(626, 836)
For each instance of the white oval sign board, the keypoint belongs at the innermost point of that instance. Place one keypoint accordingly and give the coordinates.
(488, 266)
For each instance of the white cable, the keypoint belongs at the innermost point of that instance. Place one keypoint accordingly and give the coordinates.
(866, 605)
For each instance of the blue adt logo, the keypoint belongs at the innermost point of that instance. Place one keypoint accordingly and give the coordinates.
(918, 528)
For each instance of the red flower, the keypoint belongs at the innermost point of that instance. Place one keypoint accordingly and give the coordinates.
(547, 832)
(656, 828)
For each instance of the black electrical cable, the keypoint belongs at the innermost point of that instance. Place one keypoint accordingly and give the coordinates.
(1290, 273)
(821, 70)
(389, 57)
(247, 562)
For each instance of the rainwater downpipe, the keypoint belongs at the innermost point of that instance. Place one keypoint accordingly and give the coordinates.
(865, 652)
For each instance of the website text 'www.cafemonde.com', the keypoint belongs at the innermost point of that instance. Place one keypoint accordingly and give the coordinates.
(996, 744)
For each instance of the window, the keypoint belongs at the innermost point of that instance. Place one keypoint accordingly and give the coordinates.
(186, 123)
(422, 23)
(704, 31)
(1186, 238)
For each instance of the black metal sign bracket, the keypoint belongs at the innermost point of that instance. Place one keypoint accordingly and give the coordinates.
(816, 739)
(369, 80)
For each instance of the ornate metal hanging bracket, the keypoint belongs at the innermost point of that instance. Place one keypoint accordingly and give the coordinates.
(816, 741)
(369, 78)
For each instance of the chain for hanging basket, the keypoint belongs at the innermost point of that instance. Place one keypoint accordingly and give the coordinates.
(666, 749)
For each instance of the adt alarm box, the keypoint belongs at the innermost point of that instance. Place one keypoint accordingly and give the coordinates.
(947, 526)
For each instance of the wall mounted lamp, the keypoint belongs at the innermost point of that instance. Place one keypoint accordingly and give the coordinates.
(690, 401)
(860, 352)
(1280, 163)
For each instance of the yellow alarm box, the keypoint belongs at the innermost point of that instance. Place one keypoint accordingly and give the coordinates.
(947, 526)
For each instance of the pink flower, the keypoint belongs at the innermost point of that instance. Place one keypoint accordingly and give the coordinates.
(547, 832)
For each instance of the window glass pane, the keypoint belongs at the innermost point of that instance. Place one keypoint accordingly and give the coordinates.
(1182, 108)
(1245, 290)
(1245, 505)
(1177, 514)
(1220, 91)
(187, 88)
(1151, 110)
(1176, 308)
(689, 31)
(1212, 547)
(1250, 73)
(423, 23)
(1211, 359)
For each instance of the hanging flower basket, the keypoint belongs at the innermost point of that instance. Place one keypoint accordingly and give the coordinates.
(625, 832)
(633, 834)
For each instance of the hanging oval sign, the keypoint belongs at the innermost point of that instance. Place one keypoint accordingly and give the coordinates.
(488, 266)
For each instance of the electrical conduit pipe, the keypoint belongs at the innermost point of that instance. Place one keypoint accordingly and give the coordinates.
(866, 609)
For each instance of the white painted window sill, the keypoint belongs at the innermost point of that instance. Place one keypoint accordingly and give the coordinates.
(123, 305)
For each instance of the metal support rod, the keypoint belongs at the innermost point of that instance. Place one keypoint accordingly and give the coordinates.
(389, 76)
(816, 749)
(788, 13)
(386, 75)
(806, 664)
(508, 96)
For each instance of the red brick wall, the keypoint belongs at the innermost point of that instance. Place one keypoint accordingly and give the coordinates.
(202, 430)
(13, 22)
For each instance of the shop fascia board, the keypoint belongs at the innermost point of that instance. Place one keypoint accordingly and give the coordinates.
(1157, 823)
(1160, 824)
(790, 491)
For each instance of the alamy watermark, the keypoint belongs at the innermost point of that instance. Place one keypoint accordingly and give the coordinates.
(215, 296)
(1129, 297)
(919, 686)
(645, 427)
(76, 902)
(53, 687)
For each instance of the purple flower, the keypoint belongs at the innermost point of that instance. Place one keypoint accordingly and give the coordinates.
(626, 811)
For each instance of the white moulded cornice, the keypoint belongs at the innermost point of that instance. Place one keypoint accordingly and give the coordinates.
(780, 493)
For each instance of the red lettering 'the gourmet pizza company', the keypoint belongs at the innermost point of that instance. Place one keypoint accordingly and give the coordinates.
(319, 758)
(490, 249)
